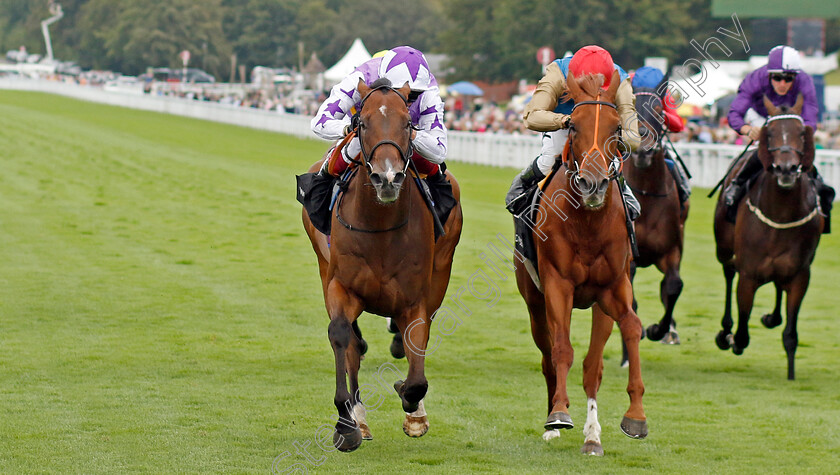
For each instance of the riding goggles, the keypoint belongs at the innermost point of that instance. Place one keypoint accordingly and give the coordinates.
(786, 77)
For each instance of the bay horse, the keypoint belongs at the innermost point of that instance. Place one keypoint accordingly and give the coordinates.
(382, 258)
(585, 262)
(660, 229)
(776, 231)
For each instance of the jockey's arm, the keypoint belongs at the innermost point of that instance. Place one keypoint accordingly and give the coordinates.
(430, 138)
(625, 102)
(335, 113)
(810, 106)
(539, 113)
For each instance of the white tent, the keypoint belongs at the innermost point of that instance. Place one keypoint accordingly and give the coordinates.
(703, 91)
(355, 56)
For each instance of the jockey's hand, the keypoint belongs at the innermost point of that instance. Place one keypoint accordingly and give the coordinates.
(347, 130)
(413, 133)
(752, 132)
(566, 123)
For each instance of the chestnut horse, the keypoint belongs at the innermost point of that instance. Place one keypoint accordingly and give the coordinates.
(585, 263)
(660, 227)
(776, 231)
(382, 258)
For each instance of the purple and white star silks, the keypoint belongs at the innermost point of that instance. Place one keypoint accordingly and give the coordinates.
(437, 124)
(348, 93)
(323, 120)
(334, 108)
(412, 59)
(440, 144)
(430, 110)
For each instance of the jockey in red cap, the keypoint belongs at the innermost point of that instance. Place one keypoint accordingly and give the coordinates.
(545, 113)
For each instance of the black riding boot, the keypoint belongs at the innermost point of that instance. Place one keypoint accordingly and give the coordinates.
(683, 187)
(527, 178)
(826, 194)
(737, 188)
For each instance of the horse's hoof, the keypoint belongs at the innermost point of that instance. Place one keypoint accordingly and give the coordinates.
(550, 434)
(722, 340)
(592, 448)
(415, 426)
(363, 347)
(737, 349)
(558, 420)
(347, 442)
(652, 332)
(770, 321)
(397, 349)
(366, 435)
(633, 428)
(671, 338)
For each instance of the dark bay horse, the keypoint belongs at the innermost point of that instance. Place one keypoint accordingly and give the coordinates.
(660, 227)
(776, 232)
(382, 258)
(585, 262)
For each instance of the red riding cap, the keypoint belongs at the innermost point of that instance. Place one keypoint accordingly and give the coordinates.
(592, 60)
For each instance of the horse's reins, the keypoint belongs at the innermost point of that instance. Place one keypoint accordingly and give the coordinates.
(634, 248)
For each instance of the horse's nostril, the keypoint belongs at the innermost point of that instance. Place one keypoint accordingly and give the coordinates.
(376, 179)
(399, 178)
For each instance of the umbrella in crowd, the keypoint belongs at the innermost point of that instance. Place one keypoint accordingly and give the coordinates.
(465, 88)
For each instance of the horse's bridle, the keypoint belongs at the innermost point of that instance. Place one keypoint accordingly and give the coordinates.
(366, 155)
(613, 165)
(775, 169)
(659, 145)
(357, 127)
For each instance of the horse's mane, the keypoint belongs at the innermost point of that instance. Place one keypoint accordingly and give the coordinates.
(590, 84)
(381, 82)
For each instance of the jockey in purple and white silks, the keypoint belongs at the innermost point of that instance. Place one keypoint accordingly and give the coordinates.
(781, 80)
(400, 65)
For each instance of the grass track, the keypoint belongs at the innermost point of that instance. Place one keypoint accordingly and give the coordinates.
(160, 312)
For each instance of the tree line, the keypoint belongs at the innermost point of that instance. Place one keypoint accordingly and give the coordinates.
(492, 40)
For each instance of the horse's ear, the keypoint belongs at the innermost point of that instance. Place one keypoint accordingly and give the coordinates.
(363, 88)
(797, 107)
(615, 81)
(572, 86)
(763, 152)
(771, 109)
(809, 150)
(405, 90)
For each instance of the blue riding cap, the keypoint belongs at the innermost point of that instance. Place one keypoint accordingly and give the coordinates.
(647, 77)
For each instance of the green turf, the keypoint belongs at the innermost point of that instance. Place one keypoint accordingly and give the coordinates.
(160, 311)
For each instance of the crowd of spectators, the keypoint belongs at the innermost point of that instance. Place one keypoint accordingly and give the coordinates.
(462, 113)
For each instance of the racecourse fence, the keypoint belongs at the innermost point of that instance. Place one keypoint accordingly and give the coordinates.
(706, 162)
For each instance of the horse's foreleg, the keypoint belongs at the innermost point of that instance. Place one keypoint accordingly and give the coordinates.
(772, 320)
(746, 297)
(414, 326)
(723, 338)
(790, 337)
(669, 291)
(617, 304)
(624, 362)
(558, 297)
(593, 370)
(343, 310)
(354, 359)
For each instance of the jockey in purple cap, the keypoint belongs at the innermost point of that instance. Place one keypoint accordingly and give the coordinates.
(401, 65)
(781, 80)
